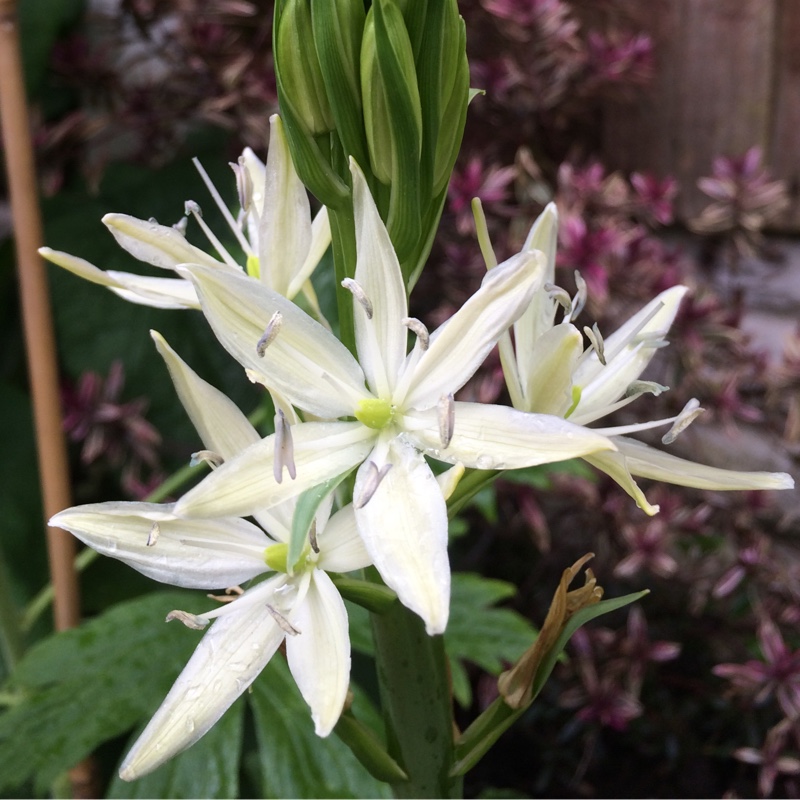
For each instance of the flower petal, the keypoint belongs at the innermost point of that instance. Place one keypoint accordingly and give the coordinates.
(497, 437)
(156, 244)
(196, 554)
(460, 345)
(319, 656)
(550, 362)
(381, 339)
(404, 528)
(648, 462)
(245, 484)
(615, 466)
(284, 229)
(320, 241)
(223, 428)
(340, 543)
(228, 659)
(305, 362)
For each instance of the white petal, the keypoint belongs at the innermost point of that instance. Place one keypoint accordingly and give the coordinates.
(245, 484)
(284, 229)
(461, 345)
(196, 554)
(223, 428)
(340, 544)
(615, 466)
(319, 656)
(156, 244)
(497, 437)
(157, 292)
(404, 528)
(550, 361)
(320, 241)
(258, 171)
(228, 659)
(648, 462)
(305, 362)
(626, 355)
(381, 341)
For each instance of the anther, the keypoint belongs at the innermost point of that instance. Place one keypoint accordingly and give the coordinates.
(190, 207)
(284, 448)
(595, 337)
(152, 537)
(691, 411)
(181, 225)
(643, 387)
(189, 620)
(447, 418)
(209, 457)
(283, 623)
(561, 296)
(244, 183)
(272, 330)
(372, 483)
(359, 294)
(231, 593)
(419, 330)
(312, 536)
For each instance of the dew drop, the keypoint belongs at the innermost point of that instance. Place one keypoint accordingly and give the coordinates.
(194, 691)
(189, 725)
(236, 666)
(484, 462)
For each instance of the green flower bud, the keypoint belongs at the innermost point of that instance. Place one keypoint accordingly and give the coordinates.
(301, 76)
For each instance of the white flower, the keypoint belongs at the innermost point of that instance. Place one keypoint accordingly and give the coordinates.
(303, 607)
(548, 371)
(274, 230)
(406, 408)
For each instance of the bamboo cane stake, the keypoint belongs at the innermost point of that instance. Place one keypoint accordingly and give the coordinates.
(37, 320)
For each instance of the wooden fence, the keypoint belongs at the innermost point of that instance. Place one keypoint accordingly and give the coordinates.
(727, 78)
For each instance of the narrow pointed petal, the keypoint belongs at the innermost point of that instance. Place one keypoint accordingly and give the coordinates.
(462, 343)
(319, 656)
(320, 241)
(341, 546)
(196, 554)
(497, 437)
(223, 428)
(381, 340)
(648, 462)
(626, 359)
(156, 244)
(258, 174)
(145, 290)
(615, 466)
(245, 484)
(305, 363)
(404, 528)
(284, 229)
(551, 360)
(228, 659)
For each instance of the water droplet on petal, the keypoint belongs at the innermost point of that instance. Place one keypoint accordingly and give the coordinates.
(484, 462)
(189, 725)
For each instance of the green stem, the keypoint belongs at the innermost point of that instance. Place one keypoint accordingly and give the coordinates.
(416, 703)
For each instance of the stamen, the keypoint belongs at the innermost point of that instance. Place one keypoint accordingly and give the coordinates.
(244, 183)
(419, 330)
(634, 338)
(579, 301)
(181, 225)
(561, 296)
(359, 294)
(447, 418)
(190, 207)
(643, 387)
(152, 537)
(231, 593)
(595, 337)
(691, 411)
(272, 331)
(212, 190)
(284, 448)
(209, 457)
(283, 623)
(312, 536)
(189, 620)
(372, 483)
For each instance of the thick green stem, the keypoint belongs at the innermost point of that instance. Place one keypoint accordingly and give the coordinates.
(416, 702)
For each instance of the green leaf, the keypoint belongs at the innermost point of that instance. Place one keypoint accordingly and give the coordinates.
(209, 768)
(306, 509)
(480, 633)
(294, 761)
(84, 686)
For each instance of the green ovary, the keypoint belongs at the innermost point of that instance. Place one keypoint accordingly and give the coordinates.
(374, 412)
(253, 267)
(275, 556)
